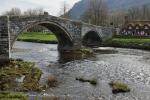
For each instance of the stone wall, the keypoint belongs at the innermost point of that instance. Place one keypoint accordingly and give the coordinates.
(105, 33)
(68, 32)
(4, 39)
(71, 29)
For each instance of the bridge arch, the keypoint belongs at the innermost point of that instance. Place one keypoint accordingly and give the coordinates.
(65, 40)
(91, 39)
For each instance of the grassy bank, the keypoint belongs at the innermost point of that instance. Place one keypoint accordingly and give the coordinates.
(20, 76)
(129, 42)
(38, 37)
(13, 96)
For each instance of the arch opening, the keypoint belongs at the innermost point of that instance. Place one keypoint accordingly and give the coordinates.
(64, 38)
(92, 39)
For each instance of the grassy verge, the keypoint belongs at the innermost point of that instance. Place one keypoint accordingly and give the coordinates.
(12, 96)
(38, 37)
(19, 76)
(130, 42)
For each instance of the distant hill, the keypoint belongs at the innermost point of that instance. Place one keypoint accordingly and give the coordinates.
(80, 7)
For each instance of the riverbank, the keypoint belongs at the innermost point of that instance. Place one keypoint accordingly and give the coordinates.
(38, 37)
(19, 76)
(133, 42)
(129, 42)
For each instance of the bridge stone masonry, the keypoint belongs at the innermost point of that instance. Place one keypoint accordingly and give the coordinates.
(71, 35)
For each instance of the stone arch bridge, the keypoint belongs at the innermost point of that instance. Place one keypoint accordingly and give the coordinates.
(72, 35)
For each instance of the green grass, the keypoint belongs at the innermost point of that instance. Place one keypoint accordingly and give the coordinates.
(12, 96)
(16, 69)
(119, 87)
(130, 42)
(37, 37)
(128, 37)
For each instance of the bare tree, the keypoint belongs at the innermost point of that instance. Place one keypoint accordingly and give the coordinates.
(97, 12)
(32, 12)
(64, 10)
(117, 19)
(134, 13)
(35, 12)
(142, 13)
(13, 12)
(146, 12)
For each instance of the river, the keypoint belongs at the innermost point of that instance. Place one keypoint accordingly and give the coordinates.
(130, 66)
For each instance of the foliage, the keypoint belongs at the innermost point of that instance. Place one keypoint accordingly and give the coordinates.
(28, 12)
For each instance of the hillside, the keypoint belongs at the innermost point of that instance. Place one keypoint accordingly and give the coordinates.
(80, 7)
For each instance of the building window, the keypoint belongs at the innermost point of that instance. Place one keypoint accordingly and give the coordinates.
(130, 27)
(146, 27)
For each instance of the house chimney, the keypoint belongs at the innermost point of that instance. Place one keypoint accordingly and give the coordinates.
(126, 20)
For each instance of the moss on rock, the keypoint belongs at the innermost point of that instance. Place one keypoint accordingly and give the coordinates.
(91, 81)
(15, 69)
(76, 54)
(119, 87)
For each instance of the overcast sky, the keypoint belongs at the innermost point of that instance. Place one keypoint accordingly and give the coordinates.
(51, 6)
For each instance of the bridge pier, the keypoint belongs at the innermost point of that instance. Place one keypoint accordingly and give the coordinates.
(4, 40)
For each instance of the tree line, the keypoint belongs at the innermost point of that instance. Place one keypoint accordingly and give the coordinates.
(28, 12)
(38, 11)
(35, 12)
(133, 13)
(97, 13)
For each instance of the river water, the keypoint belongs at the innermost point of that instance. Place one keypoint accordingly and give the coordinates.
(109, 64)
